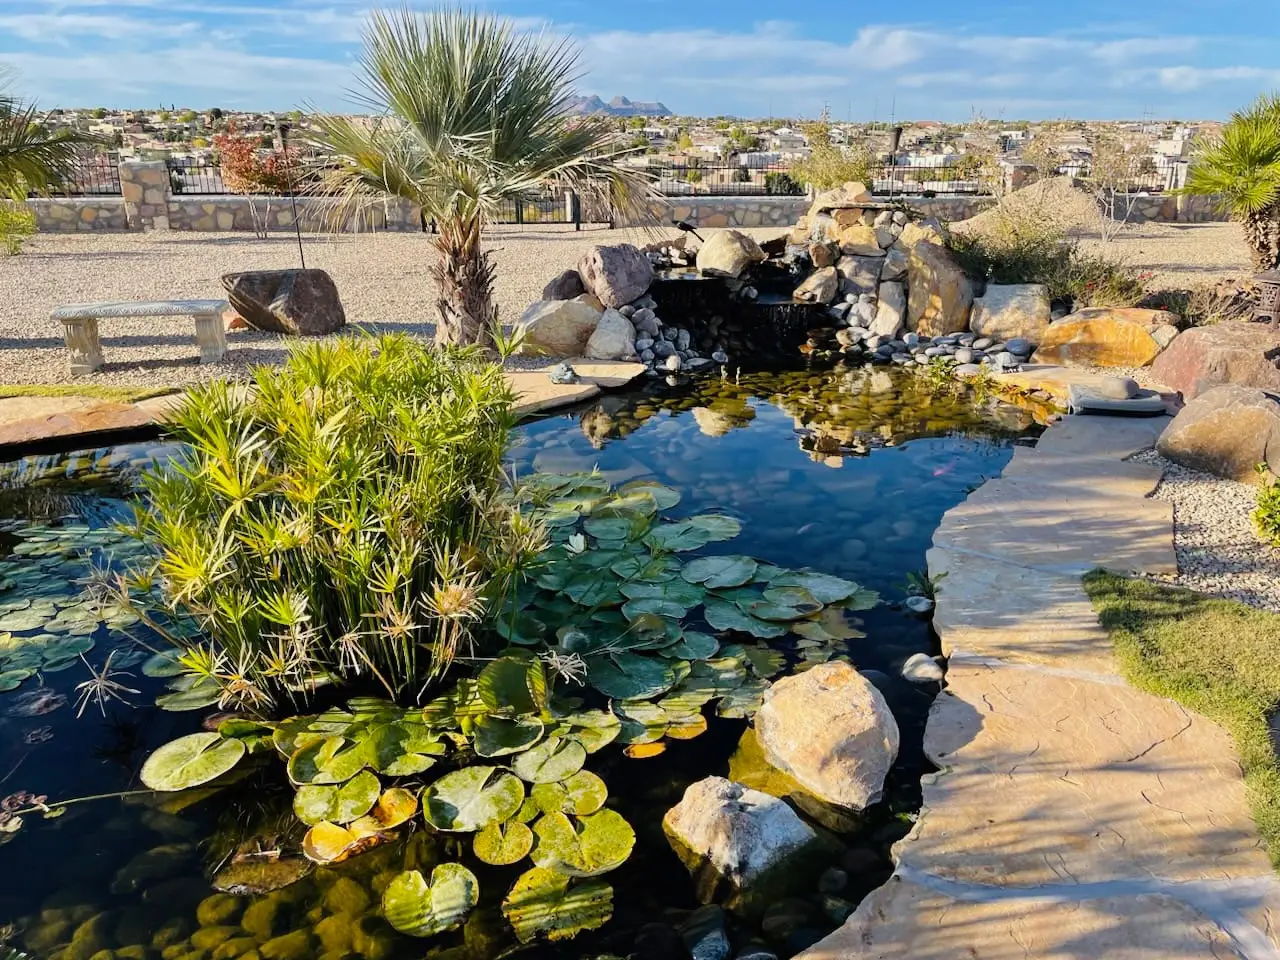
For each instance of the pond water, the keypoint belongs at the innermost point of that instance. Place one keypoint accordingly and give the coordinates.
(846, 471)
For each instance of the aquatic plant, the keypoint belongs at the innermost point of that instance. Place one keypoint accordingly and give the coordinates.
(341, 518)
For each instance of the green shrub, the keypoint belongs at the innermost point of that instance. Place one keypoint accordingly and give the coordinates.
(1266, 518)
(344, 517)
(779, 184)
(17, 222)
(1200, 306)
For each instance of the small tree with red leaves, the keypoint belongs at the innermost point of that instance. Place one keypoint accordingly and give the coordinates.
(251, 172)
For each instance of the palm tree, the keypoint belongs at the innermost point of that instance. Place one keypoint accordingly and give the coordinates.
(470, 114)
(33, 158)
(1242, 168)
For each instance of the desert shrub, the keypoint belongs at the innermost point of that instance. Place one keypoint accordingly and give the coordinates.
(1200, 306)
(828, 165)
(779, 184)
(344, 518)
(1266, 517)
(17, 222)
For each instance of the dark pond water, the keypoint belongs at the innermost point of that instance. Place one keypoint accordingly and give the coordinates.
(847, 472)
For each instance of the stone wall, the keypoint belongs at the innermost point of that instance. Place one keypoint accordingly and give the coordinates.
(314, 215)
(77, 214)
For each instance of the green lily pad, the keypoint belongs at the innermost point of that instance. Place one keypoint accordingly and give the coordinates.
(824, 587)
(584, 846)
(581, 794)
(513, 685)
(190, 761)
(555, 759)
(164, 664)
(616, 527)
(544, 903)
(720, 572)
(342, 804)
(502, 844)
(694, 645)
(472, 798)
(722, 615)
(743, 701)
(776, 613)
(765, 661)
(421, 909)
(642, 721)
(665, 497)
(524, 629)
(12, 679)
(595, 729)
(195, 698)
(629, 676)
(643, 567)
(831, 626)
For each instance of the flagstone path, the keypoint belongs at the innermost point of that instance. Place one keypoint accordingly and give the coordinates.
(1071, 816)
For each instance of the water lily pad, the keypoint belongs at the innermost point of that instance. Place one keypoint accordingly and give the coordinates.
(595, 729)
(472, 798)
(190, 761)
(719, 572)
(502, 844)
(646, 568)
(824, 587)
(722, 615)
(524, 629)
(555, 759)
(687, 727)
(643, 751)
(163, 664)
(342, 804)
(830, 626)
(682, 594)
(582, 846)
(776, 613)
(744, 700)
(12, 679)
(513, 685)
(694, 645)
(544, 903)
(665, 497)
(765, 661)
(421, 909)
(396, 806)
(195, 698)
(616, 527)
(592, 590)
(642, 721)
(632, 503)
(629, 676)
(581, 794)
(498, 736)
(20, 621)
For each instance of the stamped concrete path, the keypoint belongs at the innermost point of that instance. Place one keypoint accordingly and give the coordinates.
(1072, 816)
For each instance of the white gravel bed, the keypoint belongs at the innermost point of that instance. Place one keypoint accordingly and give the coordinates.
(382, 278)
(1218, 551)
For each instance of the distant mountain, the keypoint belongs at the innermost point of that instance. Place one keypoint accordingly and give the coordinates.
(618, 107)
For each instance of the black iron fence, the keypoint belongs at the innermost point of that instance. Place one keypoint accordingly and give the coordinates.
(92, 175)
(956, 179)
(692, 177)
(190, 175)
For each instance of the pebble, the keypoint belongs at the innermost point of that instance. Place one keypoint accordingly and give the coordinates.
(832, 880)
(1020, 346)
(674, 363)
(756, 952)
(918, 604)
(644, 343)
(704, 935)
(837, 909)
(921, 668)
(627, 310)
(982, 343)
(719, 356)
(964, 355)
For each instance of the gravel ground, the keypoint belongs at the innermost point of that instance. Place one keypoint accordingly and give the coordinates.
(1218, 551)
(1180, 255)
(382, 279)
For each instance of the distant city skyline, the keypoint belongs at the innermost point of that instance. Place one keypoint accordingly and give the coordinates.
(1007, 60)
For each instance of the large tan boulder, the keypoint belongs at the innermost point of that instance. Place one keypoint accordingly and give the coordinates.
(1107, 337)
(1006, 311)
(728, 253)
(558, 328)
(850, 195)
(1202, 358)
(614, 338)
(930, 229)
(1226, 431)
(821, 286)
(616, 274)
(831, 730)
(939, 295)
(858, 240)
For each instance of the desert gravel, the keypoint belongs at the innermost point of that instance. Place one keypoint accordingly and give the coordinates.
(382, 278)
(1218, 551)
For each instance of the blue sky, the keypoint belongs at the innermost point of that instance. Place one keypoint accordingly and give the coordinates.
(926, 59)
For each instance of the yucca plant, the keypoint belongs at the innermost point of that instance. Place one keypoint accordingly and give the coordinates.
(1242, 168)
(468, 113)
(343, 517)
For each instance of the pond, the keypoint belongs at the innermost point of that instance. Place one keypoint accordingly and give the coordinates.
(847, 472)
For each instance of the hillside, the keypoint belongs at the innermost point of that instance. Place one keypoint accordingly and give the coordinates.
(618, 107)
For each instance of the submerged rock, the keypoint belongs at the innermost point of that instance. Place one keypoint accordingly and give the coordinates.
(832, 730)
(704, 934)
(921, 668)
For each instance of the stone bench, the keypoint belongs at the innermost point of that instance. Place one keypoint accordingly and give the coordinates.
(80, 322)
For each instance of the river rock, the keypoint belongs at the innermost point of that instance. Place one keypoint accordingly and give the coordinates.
(1015, 310)
(832, 730)
(1234, 351)
(564, 287)
(891, 311)
(557, 327)
(296, 302)
(741, 834)
(1226, 431)
(1106, 337)
(819, 287)
(616, 274)
(704, 934)
(614, 338)
(939, 294)
(728, 254)
(921, 668)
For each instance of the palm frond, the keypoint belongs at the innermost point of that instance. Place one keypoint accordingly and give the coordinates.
(32, 157)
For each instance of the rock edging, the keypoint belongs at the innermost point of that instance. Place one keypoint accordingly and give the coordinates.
(1071, 815)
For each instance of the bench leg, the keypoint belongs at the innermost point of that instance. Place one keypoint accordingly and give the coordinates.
(211, 338)
(83, 345)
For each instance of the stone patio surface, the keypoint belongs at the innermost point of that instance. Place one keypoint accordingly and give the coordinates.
(1072, 817)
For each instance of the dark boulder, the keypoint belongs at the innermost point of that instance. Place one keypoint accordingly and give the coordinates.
(297, 302)
(564, 287)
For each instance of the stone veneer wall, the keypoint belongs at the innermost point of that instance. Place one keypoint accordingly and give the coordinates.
(233, 213)
(77, 214)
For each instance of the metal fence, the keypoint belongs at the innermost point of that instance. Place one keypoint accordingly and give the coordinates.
(926, 181)
(188, 176)
(92, 175)
(714, 178)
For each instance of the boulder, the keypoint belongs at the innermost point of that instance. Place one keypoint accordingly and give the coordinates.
(616, 274)
(820, 286)
(297, 302)
(858, 240)
(939, 294)
(1106, 337)
(895, 264)
(614, 338)
(564, 287)
(728, 254)
(821, 254)
(1226, 431)
(1011, 311)
(850, 195)
(832, 731)
(559, 328)
(930, 229)
(891, 311)
(862, 272)
(739, 833)
(1236, 352)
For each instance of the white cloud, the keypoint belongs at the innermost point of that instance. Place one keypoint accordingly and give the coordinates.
(1184, 78)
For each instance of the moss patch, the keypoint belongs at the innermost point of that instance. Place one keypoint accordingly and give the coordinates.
(1217, 657)
(97, 392)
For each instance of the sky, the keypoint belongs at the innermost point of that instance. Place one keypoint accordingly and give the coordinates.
(929, 59)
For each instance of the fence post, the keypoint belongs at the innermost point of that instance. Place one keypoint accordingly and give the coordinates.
(144, 184)
(573, 209)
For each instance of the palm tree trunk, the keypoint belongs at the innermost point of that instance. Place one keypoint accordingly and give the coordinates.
(1262, 233)
(464, 280)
